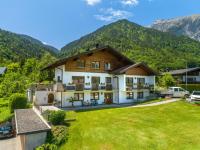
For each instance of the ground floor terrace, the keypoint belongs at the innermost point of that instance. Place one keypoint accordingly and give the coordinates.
(88, 98)
(169, 126)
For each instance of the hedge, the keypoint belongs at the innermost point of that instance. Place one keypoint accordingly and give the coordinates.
(191, 87)
(17, 101)
(58, 135)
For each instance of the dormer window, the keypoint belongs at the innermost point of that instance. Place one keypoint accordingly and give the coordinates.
(95, 65)
(80, 63)
(107, 66)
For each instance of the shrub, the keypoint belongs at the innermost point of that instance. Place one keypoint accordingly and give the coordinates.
(166, 80)
(17, 101)
(58, 135)
(47, 147)
(57, 117)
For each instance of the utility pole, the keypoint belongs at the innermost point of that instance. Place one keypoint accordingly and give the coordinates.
(186, 82)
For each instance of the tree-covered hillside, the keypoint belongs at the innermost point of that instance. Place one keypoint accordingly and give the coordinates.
(160, 50)
(15, 47)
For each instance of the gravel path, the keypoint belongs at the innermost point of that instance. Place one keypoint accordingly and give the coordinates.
(157, 103)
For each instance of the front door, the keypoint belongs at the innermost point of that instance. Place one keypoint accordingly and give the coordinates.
(108, 98)
(50, 98)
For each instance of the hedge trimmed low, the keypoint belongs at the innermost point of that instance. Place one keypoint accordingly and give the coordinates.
(17, 101)
(191, 87)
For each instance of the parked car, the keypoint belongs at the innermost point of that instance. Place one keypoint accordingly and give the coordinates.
(175, 92)
(6, 130)
(195, 96)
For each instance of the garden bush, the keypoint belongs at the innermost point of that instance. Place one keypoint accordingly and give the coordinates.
(17, 101)
(191, 87)
(58, 135)
(47, 147)
(56, 117)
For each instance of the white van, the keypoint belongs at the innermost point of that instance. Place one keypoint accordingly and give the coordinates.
(175, 92)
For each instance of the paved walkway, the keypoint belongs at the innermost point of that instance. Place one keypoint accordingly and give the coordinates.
(130, 105)
(157, 103)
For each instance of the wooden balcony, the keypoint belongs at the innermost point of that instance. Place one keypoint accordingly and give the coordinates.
(95, 86)
(139, 86)
(109, 87)
(74, 87)
(79, 87)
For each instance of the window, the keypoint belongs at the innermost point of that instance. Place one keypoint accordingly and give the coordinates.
(95, 65)
(94, 96)
(129, 95)
(181, 90)
(80, 63)
(107, 66)
(141, 81)
(59, 79)
(175, 89)
(79, 96)
(140, 95)
(129, 81)
(108, 80)
(95, 80)
(78, 79)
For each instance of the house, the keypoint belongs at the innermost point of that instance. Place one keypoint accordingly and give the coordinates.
(191, 75)
(2, 70)
(31, 129)
(99, 76)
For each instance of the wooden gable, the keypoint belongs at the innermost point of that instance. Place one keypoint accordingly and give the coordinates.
(102, 56)
(138, 71)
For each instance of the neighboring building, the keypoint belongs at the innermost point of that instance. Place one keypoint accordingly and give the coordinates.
(102, 76)
(2, 70)
(192, 75)
(31, 129)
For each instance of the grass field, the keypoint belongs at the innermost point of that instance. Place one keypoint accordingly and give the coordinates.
(4, 111)
(173, 126)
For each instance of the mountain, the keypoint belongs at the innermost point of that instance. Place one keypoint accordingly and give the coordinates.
(159, 49)
(33, 40)
(188, 26)
(16, 47)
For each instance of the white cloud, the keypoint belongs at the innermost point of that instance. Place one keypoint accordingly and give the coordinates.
(111, 14)
(130, 2)
(92, 2)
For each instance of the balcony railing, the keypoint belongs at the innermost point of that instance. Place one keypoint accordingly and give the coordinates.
(95, 86)
(109, 87)
(139, 86)
(79, 87)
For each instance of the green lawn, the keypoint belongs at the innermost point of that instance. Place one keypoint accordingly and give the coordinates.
(4, 110)
(173, 126)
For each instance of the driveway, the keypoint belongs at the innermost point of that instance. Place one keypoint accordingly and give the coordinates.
(10, 144)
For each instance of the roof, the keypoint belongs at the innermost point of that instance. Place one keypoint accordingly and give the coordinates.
(125, 68)
(182, 71)
(2, 70)
(112, 50)
(28, 121)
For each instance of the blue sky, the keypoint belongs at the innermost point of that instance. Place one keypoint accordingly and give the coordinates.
(58, 22)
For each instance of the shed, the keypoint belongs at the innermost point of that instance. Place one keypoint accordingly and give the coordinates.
(31, 128)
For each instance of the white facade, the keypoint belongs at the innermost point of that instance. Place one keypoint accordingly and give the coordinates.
(191, 78)
(118, 92)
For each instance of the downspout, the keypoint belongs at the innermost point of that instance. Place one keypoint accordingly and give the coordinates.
(61, 99)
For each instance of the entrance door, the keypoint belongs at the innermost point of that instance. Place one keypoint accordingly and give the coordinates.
(50, 98)
(108, 98)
